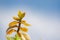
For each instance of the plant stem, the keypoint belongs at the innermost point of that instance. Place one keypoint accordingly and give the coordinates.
(19, 28)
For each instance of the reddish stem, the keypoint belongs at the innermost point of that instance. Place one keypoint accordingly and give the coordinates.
(19, 28)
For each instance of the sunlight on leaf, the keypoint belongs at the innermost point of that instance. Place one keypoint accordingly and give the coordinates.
(13, 23)
(11, 31)
(22, 15)
(24, 22)
(26, 36)
(16, 18)
(11, 27)
(19, 14)
(24, 29)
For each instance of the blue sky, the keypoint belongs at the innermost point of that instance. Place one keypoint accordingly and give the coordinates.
(44, 15)
(52, 5)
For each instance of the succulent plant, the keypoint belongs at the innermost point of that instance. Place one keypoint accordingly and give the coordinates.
(21, 31)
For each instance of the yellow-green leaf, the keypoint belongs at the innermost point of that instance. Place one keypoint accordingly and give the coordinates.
(25, 23)
(16, 18)
(10, 38)
(24, 29)
(22, 15)
(19, 14)
(11, 27)
(11, 31)
(17, 37)
(26, 36)
(13, 23)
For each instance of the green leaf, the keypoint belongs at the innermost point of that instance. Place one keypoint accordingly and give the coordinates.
(17, 37)
(10, 38)
(14, 38)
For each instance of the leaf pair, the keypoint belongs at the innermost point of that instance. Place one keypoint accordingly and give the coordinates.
(14, 23)
(24, 29)
(20, 16)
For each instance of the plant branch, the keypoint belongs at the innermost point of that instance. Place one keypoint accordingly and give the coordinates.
(19, 28)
